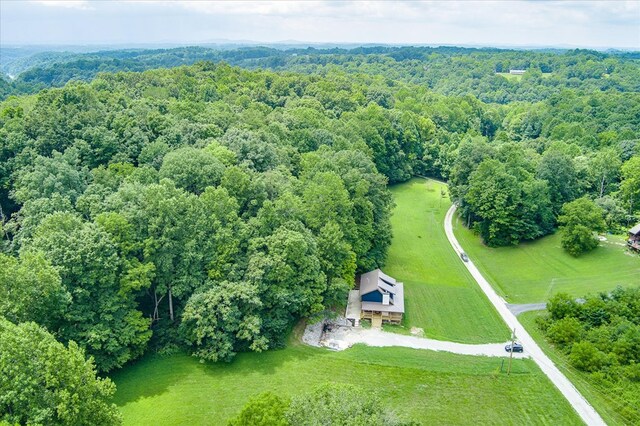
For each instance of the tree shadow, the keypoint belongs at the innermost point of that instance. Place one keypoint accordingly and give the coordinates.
(152, 375)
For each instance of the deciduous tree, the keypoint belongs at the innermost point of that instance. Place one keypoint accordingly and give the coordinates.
(44, 382)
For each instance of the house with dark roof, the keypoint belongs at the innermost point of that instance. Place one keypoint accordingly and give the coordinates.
(634, 238)
(379, 298)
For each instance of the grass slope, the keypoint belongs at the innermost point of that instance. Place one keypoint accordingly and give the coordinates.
(431, 387)
(440, 295)
(533, 271)
(605, 401)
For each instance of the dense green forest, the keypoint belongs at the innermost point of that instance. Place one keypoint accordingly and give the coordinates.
(446, 70)
(209, 207)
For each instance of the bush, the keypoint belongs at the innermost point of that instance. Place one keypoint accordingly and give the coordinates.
(328, 404)
(562, 305)
(265, 409)
(565, 332)
(586, 357)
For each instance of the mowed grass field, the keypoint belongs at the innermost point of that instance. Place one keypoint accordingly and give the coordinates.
(531, 272)
(605, 401)
(430, 387)
(441, 297)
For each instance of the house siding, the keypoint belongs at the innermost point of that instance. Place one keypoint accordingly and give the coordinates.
(374, 296)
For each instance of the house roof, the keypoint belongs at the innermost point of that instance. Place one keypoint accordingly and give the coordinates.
(369, 282)
(635, 230)
(386, 278)
(396, 306)
(386, 287)
(377, 280)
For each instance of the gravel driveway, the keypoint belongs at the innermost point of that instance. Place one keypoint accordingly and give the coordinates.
(340, 338)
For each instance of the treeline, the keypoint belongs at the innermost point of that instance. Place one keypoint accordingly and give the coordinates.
(601, 336)
(451, 71)
(512, 188)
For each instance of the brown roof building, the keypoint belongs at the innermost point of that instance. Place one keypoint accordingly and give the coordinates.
(379, 298)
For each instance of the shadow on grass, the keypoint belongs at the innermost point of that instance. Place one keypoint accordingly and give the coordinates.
(153, 375)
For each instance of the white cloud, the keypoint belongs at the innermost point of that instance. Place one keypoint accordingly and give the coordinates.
(489, 22)
(67, 4)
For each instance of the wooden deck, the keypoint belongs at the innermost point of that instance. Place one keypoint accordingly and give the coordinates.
(376, 321)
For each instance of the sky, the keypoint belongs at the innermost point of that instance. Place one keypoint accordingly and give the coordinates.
(594, 24)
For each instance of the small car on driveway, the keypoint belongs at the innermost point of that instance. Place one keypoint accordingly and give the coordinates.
(464, 257)
(517, 347)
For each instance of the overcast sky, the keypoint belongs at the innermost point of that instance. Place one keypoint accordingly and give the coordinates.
(491, 23)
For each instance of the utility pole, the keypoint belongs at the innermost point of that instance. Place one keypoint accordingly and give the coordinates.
(513, 340)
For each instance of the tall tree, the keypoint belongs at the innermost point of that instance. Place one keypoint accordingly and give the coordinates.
(579, 221)
(223, 320)
(604, 167)
(102, 316)
(44, 382)
(630, 185)
(286, 269)
(31, 290)
(192, 169)
(558, 169)
(62, 174)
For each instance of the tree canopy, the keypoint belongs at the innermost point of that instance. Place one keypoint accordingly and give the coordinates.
(42, 382)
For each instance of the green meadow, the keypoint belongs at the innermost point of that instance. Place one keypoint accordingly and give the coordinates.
(441, 297)
(533, 271)
(430, 387)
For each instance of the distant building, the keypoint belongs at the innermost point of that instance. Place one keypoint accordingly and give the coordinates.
(517, 72)
(379, 298)
(634, 238)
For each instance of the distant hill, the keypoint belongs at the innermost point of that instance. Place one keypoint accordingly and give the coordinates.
(447, 70)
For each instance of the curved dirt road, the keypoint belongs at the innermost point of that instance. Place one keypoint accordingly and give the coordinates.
(577, 401)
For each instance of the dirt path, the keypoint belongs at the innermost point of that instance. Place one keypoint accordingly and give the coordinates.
(341, 338)
(577, 401)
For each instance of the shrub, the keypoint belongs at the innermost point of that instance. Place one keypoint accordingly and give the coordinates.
(565, 331)
(586, 357)
(266, 409)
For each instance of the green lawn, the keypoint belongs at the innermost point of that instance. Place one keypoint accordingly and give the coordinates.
(431, 387)
(440, 295)
(516, 77)
(531, 272)
(605, 401)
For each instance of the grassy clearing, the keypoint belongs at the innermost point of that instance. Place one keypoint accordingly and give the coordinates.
(532, 272)
(440, 295)
(605, 401)
(431, 387)
(518, 77)
(515, 77)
